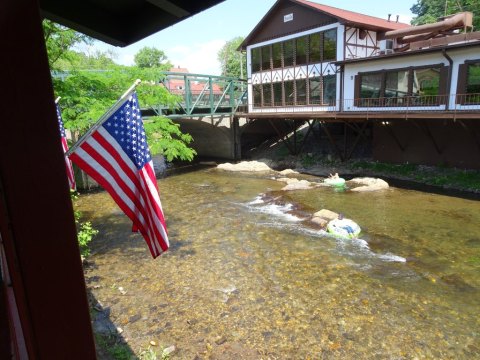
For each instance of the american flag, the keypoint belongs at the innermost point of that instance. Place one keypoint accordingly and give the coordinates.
(116, 155)
(68, 163)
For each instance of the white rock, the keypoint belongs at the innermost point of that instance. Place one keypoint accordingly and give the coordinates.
(369, 184)
(288, 172)
(245, 166)
(298, 185)
(326, 214)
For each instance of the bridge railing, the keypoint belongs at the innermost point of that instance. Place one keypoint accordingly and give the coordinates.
(205, 94)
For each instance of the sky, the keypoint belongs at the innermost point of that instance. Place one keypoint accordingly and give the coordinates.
(194, 43)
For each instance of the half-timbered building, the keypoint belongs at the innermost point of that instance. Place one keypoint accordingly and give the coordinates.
(413, 92)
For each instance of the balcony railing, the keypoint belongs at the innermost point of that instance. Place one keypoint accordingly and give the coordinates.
(452, 102)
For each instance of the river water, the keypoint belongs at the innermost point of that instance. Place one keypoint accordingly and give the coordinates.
(248, 276)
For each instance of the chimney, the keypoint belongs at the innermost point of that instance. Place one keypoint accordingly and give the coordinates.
(389, 17)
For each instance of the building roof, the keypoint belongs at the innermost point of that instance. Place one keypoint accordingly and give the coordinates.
(353, 18)
(121, 22)
(442, 48)
(344, 17)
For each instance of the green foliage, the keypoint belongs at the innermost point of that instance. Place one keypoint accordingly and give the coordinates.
(150, 57)
(85, 230)
(94, 83)
(428, 11)
(165, 137)
(59, 40)
(233, 62)
(439, 176)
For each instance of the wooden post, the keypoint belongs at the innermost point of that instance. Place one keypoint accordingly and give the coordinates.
(36, 215)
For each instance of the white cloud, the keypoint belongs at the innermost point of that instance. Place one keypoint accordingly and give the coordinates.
(200, 58)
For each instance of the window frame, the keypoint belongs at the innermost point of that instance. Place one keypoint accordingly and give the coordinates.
(410, 99)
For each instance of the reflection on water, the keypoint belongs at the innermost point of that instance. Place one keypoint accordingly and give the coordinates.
(248, 276)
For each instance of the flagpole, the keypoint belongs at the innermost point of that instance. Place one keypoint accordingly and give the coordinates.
(104, 117)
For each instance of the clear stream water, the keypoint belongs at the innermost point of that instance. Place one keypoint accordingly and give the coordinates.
(249, 277)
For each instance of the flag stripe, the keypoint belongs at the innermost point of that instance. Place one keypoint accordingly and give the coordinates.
(86, 162)
(110, 147)
(116, 155)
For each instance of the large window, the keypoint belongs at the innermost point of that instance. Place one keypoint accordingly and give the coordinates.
(277, 94)
(256, 60)
(301, 92)
(309, 49)
(329, 90)
(302, 50)
(473, 79)
(401, 87)
(257, 95)
(277, 55)
(288, 52)
(314, 48)
(330, 45)
(266, 57)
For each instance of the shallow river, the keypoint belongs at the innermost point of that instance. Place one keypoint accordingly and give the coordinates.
(249, 278)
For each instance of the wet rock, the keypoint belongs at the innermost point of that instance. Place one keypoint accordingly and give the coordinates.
(297, 185)
(245, 166)
(288, 172)
(326, 214)
(319, 221)
(221, 340)
(134, 318)
(369, 184)
(457, 282)
(168, 351)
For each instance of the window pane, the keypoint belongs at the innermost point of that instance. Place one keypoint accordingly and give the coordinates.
(425, 87)
(301, 43)
(370, 87)
(255, 59)
(330, 45)
(288, 47)
(277, 94)
(315, 91)
(329, 90)
(266, 57)
(257, 95)
(314, 48)
(267, 94)
(301, 91)
(289, 94)
(277, 55)
(473, 84)
(396, 88)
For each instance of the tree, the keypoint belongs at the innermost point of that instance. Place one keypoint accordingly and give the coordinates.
(150, 57)
(428, 11)
(233, 62)
(59, 40)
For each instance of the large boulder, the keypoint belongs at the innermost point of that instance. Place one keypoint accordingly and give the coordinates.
(323, 217)
(368, 184)
(297, 185)
(245, 166)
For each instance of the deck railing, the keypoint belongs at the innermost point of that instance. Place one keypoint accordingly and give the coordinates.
(452, 102)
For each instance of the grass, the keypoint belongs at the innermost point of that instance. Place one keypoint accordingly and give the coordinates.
(439, 176)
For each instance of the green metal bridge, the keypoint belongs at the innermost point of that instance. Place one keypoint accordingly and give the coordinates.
(202, 95)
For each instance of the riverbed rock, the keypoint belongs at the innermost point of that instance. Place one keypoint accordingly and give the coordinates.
(297, 185)
(368, 184)
(245, 166)
(323, 217)
(288, 172)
